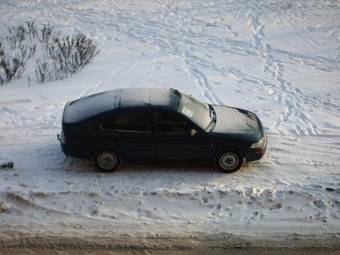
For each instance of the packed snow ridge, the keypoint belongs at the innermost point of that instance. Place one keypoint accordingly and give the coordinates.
(279, 59)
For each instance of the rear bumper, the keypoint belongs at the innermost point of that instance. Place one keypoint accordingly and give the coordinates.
(65, 149)
(79, 151)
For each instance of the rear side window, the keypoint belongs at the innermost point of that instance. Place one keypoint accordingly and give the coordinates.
(129, 122)
(170, 123)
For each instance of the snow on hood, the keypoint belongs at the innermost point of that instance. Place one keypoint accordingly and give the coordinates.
(235, 121)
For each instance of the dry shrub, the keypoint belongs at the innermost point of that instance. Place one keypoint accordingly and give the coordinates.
(50, 55)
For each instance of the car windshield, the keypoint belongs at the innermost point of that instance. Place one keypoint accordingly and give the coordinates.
(197, 111)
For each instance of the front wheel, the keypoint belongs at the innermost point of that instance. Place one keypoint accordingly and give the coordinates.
(229, 161)
(107, 161)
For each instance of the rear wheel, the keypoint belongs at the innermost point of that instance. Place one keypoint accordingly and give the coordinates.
(107, 161)
(229, 161)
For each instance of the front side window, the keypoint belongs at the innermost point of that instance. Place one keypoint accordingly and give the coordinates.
(170, 123)
(129, 122)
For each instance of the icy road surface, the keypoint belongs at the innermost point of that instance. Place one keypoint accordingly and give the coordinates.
(280, 59)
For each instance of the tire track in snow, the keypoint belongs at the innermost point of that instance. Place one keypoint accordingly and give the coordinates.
(293, 100)
(174, 45)
(170, 33)
(280, 151)
(178, 25)
(97, 86)
(200, 80)
(190, 65)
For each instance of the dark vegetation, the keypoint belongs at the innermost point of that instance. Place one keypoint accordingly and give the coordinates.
(48, 55)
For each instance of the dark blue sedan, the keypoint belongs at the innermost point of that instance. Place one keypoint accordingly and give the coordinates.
(159, 124)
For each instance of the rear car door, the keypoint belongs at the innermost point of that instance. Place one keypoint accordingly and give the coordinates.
(174, 140)
(130, 133)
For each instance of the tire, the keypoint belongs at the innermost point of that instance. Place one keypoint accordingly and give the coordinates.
(107, 161)
(229, 161)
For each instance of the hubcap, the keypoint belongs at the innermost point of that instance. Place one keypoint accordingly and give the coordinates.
(229, 160)
(107, 160)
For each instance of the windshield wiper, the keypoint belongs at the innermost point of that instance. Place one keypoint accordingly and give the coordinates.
(212, 113)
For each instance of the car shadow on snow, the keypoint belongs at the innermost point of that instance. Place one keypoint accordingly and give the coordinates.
(75, 164)
(66, 163)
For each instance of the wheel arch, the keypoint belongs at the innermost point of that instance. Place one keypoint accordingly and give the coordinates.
(223, 149)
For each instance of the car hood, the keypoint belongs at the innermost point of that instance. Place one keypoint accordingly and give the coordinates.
(235, 121)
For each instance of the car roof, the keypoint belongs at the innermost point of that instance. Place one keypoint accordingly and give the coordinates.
(123, 98)
(147, 97)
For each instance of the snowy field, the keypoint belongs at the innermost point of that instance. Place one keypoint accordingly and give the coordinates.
(279, 59)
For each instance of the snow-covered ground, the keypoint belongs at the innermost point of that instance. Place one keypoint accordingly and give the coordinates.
(280, 59)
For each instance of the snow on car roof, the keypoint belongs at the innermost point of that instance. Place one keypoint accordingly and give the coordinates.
(93, 105)
(135, 97)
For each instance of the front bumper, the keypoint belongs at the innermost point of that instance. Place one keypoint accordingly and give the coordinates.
(257, 153)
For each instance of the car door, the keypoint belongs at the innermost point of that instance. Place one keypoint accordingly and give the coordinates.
(174, 138)
(130, 133)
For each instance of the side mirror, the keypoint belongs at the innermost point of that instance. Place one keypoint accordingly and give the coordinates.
(193, 132)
